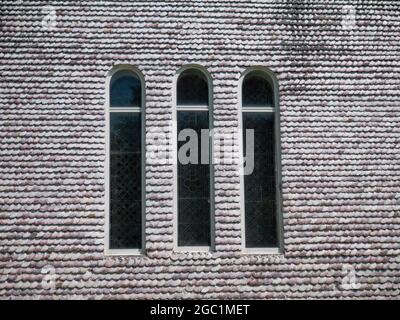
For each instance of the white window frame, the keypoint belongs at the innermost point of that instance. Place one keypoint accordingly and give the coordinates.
(270, 76)
(175, 110)
(109, 109)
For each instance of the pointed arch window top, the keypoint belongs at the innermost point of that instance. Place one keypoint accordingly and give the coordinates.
(192, 88)
(126, 90)
(257, 90)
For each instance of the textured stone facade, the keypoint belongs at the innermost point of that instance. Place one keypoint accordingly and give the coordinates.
(339, 80)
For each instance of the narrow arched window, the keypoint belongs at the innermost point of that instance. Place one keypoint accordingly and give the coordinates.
(194, 168)
(261, 159)
(125, 161)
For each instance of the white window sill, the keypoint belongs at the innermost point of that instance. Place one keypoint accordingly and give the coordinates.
(124, 252)
(262, 251)
(192, 249)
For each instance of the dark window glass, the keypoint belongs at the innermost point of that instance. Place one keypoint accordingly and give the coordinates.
(256, 92)
(192, 88)
(125, 181)
(260, 202)
(194, 187)
(126, 90)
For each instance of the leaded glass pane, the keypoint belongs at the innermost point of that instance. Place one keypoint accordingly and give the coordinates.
(193, 188)
(125, 181)
(126, 90)
(256, 92)
(260, 202)
(192, 88)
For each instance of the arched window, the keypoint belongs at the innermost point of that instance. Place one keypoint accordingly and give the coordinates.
(124, 192)
(261, 161)
(257, 91)
(192, 89)
(126, 90)
(194, 168)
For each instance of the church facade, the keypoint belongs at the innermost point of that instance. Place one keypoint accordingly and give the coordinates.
(200, 149)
